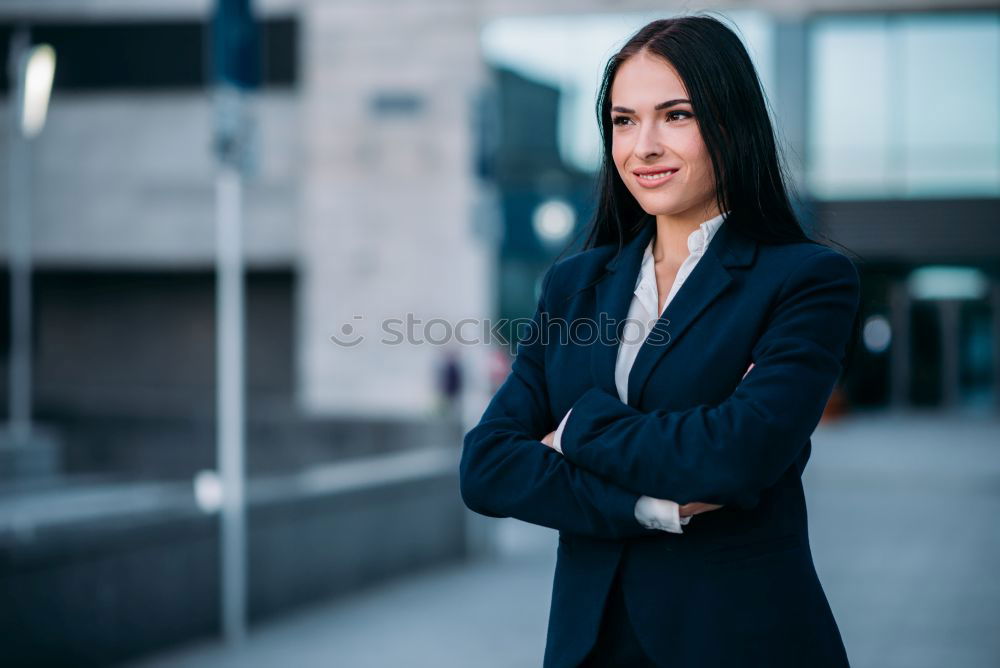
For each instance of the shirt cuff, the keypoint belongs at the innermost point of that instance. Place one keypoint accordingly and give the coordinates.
(660, 514)
(557, 437)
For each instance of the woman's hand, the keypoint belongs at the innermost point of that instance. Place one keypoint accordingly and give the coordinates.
(696, 507)
(549, 438)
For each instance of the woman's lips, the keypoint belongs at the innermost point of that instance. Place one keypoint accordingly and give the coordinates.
(655, 179)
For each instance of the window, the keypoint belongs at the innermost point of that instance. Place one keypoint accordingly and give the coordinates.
(143, 55)
(905, 106)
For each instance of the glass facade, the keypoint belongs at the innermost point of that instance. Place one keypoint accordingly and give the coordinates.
(904, 106)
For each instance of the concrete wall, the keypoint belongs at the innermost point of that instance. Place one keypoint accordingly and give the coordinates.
(388, 197)
(86, 588)
(128, 180)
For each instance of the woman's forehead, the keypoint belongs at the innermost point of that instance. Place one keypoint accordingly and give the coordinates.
(645, 81)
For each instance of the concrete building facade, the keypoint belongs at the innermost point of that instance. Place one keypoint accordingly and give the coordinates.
(366, 197)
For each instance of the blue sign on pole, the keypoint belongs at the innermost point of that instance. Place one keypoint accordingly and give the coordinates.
(236, 66)
(236, 45)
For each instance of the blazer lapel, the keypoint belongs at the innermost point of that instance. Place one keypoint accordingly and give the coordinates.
(614, 296)
(710, 277)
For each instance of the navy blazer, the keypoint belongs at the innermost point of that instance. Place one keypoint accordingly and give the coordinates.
(738, 588)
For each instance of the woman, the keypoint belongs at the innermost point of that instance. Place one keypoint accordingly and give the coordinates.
(669, 453)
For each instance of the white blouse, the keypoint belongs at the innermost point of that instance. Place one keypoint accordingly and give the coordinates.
(642, 316)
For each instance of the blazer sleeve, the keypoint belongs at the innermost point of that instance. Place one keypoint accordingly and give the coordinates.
(506, 471)
(729, 452)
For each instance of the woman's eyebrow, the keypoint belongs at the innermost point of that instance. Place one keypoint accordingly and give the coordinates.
(661, 105)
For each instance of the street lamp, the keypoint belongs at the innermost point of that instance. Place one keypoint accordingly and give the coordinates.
(31, 70)
(39, 71)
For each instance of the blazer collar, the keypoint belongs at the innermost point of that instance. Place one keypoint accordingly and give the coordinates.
(711, 276)
(736, 251)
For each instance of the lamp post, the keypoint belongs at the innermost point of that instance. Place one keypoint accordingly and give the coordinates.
(236, 70)
(31, 70)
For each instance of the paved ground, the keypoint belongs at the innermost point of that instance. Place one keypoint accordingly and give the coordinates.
(905, 527)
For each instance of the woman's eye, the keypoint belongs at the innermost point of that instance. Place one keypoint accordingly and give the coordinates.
(671, 116)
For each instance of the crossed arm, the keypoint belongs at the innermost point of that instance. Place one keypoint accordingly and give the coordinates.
(613, 453)
(729, 452)
(506, 471)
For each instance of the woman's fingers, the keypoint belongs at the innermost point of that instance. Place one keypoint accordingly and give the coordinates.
(695, 507)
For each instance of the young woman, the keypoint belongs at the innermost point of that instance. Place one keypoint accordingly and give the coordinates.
(664, 427)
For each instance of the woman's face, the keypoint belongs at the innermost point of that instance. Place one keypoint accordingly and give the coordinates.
(654, 132)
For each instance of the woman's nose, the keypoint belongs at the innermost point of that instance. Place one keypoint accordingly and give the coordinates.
(648, 144)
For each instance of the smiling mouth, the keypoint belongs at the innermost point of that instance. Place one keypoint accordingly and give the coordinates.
(655, 178)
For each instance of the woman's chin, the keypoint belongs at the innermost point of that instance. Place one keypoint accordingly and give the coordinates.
(660, 208)
(669, 207)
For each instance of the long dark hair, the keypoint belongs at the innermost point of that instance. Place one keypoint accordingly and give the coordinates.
(732, 116)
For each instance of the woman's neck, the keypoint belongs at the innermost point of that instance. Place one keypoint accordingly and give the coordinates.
(672, 233)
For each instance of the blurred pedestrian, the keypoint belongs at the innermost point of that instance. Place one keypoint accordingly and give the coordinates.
(449, 383)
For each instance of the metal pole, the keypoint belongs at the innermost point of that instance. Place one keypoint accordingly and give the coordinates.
(236, 68)
(995, 306)
(230, 400)
(949, 312)
(899, 350)
(19, 230)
